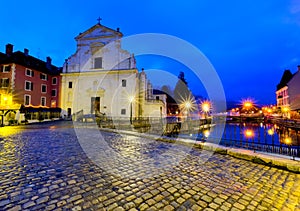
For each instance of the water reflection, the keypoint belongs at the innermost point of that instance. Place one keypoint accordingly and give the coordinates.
(262, 133)
(289, 136)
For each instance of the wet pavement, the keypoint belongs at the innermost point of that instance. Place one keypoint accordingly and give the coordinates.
(44, 167)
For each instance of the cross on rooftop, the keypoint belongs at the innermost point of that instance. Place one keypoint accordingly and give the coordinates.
(99, 19)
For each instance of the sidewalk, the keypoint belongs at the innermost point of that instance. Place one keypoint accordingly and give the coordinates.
(269, 159)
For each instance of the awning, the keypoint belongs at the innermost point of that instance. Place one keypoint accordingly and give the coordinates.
(28, 109)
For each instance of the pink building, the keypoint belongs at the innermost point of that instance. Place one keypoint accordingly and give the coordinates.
(288, 91)
(29, 87)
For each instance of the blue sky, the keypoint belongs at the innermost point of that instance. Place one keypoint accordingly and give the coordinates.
(250, 43)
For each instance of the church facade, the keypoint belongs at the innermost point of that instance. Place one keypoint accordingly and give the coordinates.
(102, 78)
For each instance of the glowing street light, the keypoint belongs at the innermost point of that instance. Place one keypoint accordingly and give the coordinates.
(287, 140)
(249, 133)
(205, 108)
(247, 104)
(271, 132)
(187, 105)
(131, 99)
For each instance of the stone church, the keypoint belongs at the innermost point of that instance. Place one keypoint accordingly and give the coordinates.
(102, 78)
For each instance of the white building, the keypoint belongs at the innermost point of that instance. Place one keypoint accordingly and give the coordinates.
(101, 77)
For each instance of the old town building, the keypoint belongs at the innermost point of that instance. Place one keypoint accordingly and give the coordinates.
(288, 91)
(101, 78)
(29, 87)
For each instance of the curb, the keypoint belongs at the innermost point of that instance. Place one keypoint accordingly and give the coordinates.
(280, 162)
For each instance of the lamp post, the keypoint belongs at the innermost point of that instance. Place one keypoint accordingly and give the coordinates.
(131, 99)
(205, 107)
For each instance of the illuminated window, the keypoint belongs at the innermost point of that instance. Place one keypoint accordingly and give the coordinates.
(43, 101)
(98, 63)
(53, 103)
(4, 82)
(44, 88)
(27, 99)
(28, 86)
(29, 73)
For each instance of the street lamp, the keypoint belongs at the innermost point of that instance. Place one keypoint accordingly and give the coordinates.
(205, 107)
(131, 99)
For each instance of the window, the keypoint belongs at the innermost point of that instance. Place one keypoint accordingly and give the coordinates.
(5, 68)
(53, 93)
(70, 84)
(29, 73)
(43, 101)
(157, 97)
(53, 103)
(123, 111)
(54, 81)
(98, 62)
(123, 83)
(28, 86)
(4, 82)
(44, 88)
(43, 76)
(27, 99)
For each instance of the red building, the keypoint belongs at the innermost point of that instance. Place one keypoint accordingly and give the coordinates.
(29, 87)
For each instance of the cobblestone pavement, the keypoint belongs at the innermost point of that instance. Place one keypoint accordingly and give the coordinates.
(43, 167)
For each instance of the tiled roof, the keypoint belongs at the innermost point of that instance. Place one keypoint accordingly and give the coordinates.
(31, 62)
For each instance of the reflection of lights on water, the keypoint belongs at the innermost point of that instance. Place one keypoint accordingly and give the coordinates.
(271, 132)
(249, 133)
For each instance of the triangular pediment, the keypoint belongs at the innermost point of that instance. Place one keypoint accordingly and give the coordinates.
(98, 31)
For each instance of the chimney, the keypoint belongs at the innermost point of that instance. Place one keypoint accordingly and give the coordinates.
(9, 49)
(26, 51)
(118, 29)
(48, 62)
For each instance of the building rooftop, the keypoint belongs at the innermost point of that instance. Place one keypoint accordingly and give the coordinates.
(22, 58)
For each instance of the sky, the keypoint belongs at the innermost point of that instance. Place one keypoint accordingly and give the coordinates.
(249, 43)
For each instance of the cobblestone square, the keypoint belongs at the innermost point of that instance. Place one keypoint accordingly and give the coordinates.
(43, 167)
